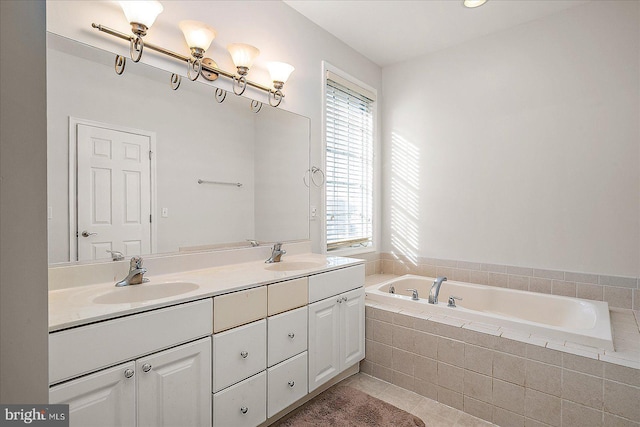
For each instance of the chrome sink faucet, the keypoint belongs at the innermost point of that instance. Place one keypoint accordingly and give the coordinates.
(435, 290)
(276, 253)
(136, 273)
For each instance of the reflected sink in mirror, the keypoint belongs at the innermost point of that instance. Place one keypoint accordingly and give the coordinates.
(144, 292)
(294, 265)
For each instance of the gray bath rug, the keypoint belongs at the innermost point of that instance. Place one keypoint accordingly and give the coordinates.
(344, 406)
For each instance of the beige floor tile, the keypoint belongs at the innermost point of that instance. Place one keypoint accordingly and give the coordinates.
(430, 408)
(467, 420)
(368, 384)
(434, 414)
(400, 398)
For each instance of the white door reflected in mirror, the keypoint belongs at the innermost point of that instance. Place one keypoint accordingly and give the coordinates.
(113, 192)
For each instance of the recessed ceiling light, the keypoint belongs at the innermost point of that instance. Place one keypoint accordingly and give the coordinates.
(473, 3)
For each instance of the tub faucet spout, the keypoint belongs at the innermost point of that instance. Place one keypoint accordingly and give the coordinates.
(435, 289)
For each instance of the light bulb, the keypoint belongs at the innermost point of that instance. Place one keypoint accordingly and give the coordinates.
(473, 3)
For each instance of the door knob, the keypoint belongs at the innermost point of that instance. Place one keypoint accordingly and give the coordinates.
(85, 233)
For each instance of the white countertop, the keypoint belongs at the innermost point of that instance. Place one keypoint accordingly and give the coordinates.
(75, 306)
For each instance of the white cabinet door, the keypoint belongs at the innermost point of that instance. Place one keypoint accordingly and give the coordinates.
(352, 329)
(324, 341)
(106, 398)
(174, 386)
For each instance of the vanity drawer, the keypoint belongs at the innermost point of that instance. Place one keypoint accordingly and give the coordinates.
(287, 334)
(88, 348)
(287, 295)
(335, 282)
(242, 405)
(239, 353)
(239, 308)
(287, 383)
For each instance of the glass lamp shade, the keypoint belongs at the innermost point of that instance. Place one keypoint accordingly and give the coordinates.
(473, 3)
(243, 54)
(141, 12)
(279, 71)
(198, 34)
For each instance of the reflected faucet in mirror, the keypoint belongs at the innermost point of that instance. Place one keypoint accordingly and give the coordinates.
(116, 255)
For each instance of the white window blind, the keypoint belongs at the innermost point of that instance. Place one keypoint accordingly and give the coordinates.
(349, 166)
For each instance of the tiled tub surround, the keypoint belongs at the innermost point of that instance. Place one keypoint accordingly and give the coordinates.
(524, 313)
(505, 378)
(619, 292)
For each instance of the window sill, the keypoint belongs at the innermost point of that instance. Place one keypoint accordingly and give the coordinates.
(351, 251)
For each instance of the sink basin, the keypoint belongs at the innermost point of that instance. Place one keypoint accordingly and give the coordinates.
(144, 292)
(293, 265)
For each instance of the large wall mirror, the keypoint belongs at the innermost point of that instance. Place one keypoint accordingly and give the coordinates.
(138, 168)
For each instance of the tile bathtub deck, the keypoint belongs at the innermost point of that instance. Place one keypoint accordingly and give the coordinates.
(625, 324)
(433, 414)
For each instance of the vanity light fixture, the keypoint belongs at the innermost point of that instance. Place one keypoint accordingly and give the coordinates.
(141, 15)
(473, 3)
(280, 72)
(199, 37)
(243, 56)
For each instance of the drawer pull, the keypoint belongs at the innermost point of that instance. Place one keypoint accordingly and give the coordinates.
(291, 383)
(146, 367)
(244, 354)
(244, 409)
(128, 373)
(291, 335)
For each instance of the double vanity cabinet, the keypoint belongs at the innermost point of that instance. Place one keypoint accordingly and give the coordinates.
(230, 359)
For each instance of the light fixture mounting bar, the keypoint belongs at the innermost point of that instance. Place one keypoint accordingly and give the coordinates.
(178, 56)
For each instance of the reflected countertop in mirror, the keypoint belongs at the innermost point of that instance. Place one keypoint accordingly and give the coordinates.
(126, 154)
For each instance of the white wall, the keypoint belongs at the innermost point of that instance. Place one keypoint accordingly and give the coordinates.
(24, 363)
(280, 32)
(521, 147)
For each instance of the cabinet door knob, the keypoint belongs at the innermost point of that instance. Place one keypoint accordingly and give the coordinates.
(244, 409)
(146, 367)
(244, 354)
(339, 301)
(291, 383)
(128, 373)
(291, 335)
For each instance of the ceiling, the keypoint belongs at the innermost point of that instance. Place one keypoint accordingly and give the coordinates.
(388, 32)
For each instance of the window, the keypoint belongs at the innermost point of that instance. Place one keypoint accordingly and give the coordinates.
(349, 130)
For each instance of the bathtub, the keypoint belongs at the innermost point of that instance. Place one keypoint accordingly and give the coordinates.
(560, 318)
